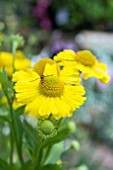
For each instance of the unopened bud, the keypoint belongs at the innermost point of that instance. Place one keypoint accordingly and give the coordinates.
(17, 41)
(75, 145)
(46, 128)
(72, 127)
(82, 167)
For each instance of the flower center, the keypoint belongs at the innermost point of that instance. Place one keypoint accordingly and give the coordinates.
(86, 58)
(40, 65)
(51, 86)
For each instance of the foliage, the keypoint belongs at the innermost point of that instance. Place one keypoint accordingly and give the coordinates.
(86, 13)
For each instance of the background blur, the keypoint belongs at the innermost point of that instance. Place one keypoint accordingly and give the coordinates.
(49, 26)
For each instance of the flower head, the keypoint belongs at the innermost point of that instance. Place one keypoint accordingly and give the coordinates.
(85, 62)
(44, 91)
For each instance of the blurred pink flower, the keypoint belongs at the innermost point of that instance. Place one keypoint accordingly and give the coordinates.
(40, 11)
(46, 23)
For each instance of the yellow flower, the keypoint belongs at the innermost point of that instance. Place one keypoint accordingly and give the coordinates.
(85, 62)
(67, 74)
(6, 61)
(45, 93)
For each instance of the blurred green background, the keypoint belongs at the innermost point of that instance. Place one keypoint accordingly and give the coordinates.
(49, 26)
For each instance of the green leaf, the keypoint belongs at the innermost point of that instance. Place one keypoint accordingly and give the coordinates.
(3, 165)
(52, 167)
(6, 86)
(13, 167)
(61, 135)
(19, 111)
(18, 123)
(31, 136)
(1, 38)
(4, 118)
(1, 78)
(27, 165)
(55, 153)
(19, 127)
(4, 74)
(4, 79)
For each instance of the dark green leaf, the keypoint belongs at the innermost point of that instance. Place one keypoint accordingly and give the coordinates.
(1, 38)
(31, 136)
(4, 74)
(1, 78)
(4, 165)
(26, 166)
(52, 167)
(6, 86)
(19, 111)
(4, 118)
(13, 167)
(19, 127)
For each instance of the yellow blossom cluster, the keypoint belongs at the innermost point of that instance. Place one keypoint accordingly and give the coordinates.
(20, 61)
(52, 87)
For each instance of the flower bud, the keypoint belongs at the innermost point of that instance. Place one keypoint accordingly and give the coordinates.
(82, 167)
(59, 162)
(46, 128)
(72, 127)
(75, 145)
(17, 41)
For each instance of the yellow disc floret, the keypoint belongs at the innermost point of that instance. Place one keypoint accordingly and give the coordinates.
(86, 58)
(51, 87)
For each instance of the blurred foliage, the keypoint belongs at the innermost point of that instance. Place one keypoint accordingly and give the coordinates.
(16, 14)
(16, 17)
(86, 13)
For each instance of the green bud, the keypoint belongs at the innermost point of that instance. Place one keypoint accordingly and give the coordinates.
(17, 41)
(75, 145)
(82, 167)
(72, 126)
(46, 128)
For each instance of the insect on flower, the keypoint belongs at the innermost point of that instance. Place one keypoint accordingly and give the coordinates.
(41, 78)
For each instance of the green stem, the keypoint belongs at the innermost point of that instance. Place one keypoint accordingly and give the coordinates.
(60, 123)
(14, 127)
(46, 154)
(15, 136)
(37, 156)
(14, 47)
(12, 146)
